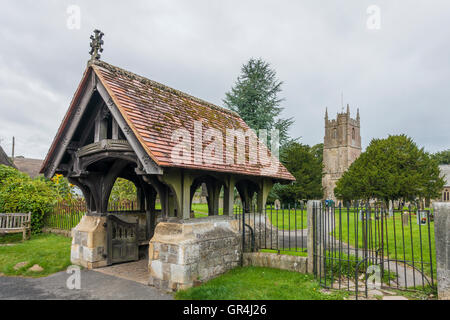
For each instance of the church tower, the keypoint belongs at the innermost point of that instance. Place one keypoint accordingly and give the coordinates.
(341, 146)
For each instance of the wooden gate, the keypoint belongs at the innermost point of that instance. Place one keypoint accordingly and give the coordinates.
(123, 242)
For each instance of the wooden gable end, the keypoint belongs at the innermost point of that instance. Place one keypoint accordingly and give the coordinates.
(93, 123)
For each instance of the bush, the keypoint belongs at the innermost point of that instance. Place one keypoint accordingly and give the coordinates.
(20, 193)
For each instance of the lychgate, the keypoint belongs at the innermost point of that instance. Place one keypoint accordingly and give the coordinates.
(120, 124)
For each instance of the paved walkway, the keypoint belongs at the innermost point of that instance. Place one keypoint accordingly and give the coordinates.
(94, 286)
(135, 271)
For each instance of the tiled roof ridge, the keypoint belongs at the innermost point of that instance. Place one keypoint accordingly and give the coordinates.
(144, 80)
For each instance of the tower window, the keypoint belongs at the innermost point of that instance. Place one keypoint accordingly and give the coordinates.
(353, 134)
(334, 133)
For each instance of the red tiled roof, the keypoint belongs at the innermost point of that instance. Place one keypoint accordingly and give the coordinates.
(154, 111)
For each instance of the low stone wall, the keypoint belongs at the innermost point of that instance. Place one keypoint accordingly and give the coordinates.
(89, 243)
(184, 253)
(277, 261)
(64, 233)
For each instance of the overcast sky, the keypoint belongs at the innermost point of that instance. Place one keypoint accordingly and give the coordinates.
(398, 75)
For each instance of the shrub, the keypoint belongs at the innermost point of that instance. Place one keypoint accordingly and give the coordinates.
(20, 193)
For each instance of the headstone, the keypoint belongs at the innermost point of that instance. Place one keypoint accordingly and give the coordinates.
(362, 215)
(422, 217)
(391, 208)
(405, 218)
(277, 204)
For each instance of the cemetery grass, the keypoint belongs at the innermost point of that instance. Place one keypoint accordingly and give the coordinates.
(51, 252)
(257, 283)
(299, 252)
(411, 243)
(287, 219)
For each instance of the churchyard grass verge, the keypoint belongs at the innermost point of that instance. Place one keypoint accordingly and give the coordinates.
(51, 252)
(257, 283)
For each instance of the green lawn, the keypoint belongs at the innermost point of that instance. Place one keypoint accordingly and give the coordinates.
(288, 219)
(283, 219)
(407, 243)
(256, 283)
(51, 252)
(289, 252)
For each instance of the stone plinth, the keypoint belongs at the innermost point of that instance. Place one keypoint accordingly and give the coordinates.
(186, 251)
(89, 243)
(442, 237)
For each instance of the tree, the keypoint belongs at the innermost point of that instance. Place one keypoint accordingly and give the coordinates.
(255, 98)
(305, 164)
(391, 169)
(123, 190)
(442, 157)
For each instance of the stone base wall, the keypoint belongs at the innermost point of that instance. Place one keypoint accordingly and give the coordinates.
(277, 261)
(185, 253)
(89, 243)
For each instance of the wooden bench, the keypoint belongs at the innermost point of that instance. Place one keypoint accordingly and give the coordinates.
(16, 223)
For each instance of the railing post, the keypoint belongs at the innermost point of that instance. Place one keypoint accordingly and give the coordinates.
(313, 237)
(442, 236)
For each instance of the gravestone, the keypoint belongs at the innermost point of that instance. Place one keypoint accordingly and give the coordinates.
(422, 216)
(391, 208)
(405, 218)
(277, 204)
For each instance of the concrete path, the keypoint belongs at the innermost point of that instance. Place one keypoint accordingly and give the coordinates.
(94, 286)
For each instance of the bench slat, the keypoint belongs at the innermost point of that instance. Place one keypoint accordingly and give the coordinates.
(14, 221)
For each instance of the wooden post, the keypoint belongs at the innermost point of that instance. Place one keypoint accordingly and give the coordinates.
(13, 147)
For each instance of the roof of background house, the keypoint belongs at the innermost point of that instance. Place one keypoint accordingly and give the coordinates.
(154, 111)
(445, 170)
(4, 159)
(28, 166)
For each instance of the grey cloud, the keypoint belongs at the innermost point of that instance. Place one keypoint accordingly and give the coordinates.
(398, 76)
